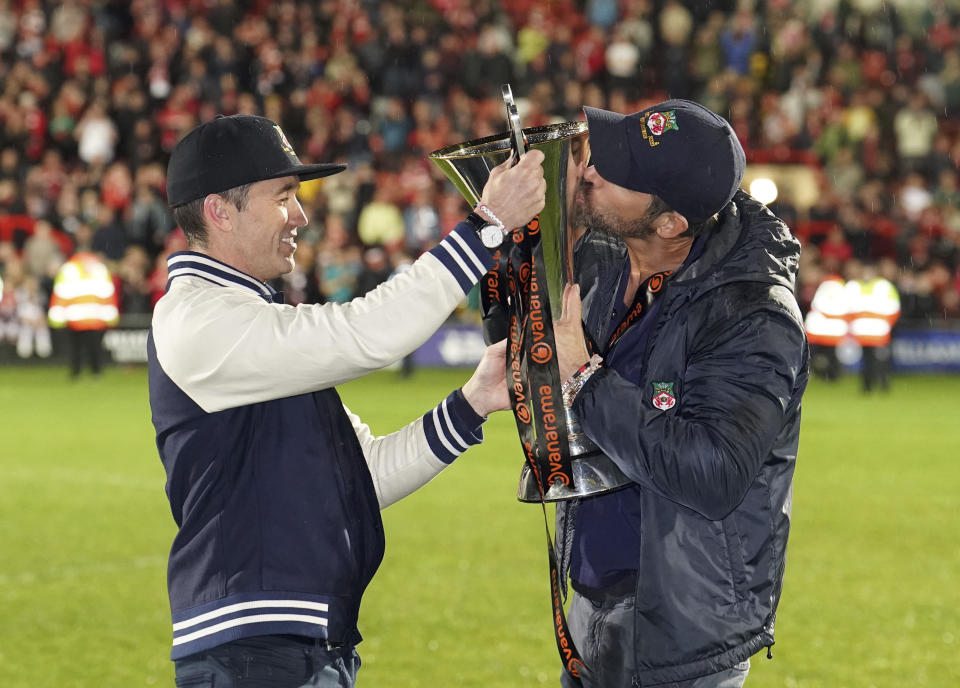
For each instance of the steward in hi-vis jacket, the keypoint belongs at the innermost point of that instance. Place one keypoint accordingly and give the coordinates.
(826, 325)
(874, 310)
(84, 302)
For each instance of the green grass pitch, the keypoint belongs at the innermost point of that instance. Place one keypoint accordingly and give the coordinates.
(871, 596)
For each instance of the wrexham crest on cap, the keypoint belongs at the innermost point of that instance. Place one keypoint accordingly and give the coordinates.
(283, 140)
(663, 397)
(660, 122)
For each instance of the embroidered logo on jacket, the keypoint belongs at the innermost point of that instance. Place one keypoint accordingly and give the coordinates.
(663, 397)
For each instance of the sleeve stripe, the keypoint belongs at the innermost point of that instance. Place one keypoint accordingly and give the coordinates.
(452, 427)
(463, 255)
(441, 436)
(470, 254)
(448, 424)
(466, 277)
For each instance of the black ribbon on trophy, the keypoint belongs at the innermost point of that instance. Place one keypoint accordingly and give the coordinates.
(534, 384)
(520, 298)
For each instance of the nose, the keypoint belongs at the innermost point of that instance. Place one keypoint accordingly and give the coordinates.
(297, 217)
(591, 175)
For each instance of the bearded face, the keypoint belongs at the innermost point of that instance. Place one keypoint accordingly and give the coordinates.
(610, 221)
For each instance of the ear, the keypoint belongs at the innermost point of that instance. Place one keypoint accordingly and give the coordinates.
(670, 225)
(216, 213)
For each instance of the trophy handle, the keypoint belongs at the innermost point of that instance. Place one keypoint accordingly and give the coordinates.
(513, 123)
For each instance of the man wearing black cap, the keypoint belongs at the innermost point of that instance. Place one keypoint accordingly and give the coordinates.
(693, 388)
(275, 486)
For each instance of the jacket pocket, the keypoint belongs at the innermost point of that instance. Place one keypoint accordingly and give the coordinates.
(734, 547)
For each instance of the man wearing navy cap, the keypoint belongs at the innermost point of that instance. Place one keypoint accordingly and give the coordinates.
(275, 486)
(693, 388)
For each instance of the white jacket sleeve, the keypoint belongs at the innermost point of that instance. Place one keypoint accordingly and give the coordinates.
(409, 458)
(226, 347)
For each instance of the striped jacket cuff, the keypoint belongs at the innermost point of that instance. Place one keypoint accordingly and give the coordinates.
(452, 427)
(464, 255)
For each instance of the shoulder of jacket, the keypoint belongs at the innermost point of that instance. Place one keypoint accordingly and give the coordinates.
(190, 287)
(729, 303)
(194, 300)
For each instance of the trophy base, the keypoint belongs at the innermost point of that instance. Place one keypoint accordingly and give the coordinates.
(593, 474)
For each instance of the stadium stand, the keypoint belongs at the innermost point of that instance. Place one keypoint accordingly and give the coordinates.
(863, 96)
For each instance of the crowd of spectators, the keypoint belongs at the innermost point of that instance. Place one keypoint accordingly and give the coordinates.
(95, 93)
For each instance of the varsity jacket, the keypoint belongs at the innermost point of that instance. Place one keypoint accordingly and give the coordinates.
(704, 417)
(274, 485)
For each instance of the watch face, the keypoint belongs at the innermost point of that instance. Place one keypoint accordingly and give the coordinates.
(491, 236)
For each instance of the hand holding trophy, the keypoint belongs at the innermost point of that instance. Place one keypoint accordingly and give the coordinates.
(514, 192)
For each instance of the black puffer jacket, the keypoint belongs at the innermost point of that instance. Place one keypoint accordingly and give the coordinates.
(716, 469)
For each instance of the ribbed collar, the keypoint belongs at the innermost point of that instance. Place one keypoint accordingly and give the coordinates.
(199, 265)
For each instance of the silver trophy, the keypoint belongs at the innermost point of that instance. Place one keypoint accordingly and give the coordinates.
(566, 153)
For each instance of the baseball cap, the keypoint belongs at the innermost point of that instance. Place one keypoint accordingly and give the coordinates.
(677, 150)
(232, 151)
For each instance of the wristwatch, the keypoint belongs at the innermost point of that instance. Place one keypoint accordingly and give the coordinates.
(490, 234)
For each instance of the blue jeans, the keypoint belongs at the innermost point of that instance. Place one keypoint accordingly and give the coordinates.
(603, 634)
(270, 662)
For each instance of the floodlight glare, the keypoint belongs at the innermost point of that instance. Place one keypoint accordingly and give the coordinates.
(764, 190)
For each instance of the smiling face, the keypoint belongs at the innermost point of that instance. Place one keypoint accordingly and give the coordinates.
(263, 237)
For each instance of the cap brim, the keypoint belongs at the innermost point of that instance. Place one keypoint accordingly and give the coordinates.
(308, 172)
(609, 146)
(301, 172)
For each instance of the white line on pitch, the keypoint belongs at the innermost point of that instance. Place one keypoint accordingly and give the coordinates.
(57, 573)
(75, 476)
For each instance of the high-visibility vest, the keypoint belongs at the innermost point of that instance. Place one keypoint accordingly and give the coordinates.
(84, 297)
(874, 308)
(826, 322)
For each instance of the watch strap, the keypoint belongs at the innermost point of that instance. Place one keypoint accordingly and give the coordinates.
(476, 221)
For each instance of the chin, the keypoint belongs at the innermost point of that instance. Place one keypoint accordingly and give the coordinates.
(278, 270)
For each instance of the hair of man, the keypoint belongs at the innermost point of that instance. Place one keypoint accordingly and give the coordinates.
(189, 216)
